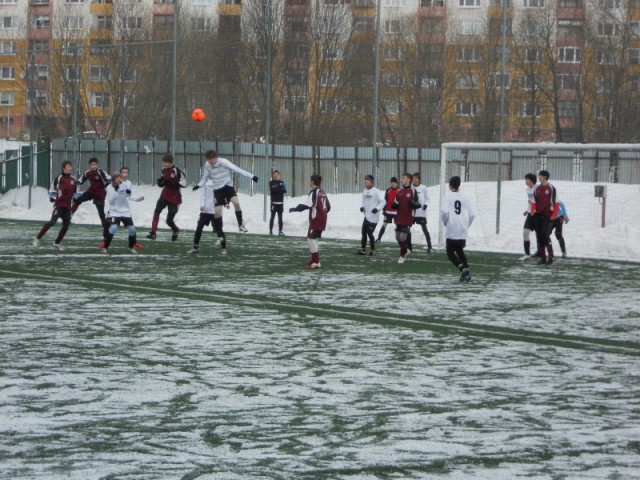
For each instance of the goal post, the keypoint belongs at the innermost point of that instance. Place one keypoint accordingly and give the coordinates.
(495, 163)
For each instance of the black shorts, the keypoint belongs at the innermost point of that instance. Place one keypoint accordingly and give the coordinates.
(126, 221)
(403, 228)
(452, 245)
(171, 207)
(277, 207)
(314, 234)
(528, 222)
(62, 213)
(206, 218)
(419, 220)
(388, 217)
(224, 195)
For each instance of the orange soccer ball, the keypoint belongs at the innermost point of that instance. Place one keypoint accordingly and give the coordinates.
(198, 115)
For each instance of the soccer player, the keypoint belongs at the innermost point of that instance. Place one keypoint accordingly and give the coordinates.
(318, 205)
(61, 194)
(218, 170)
(118, 195)
(406, 203)
(372, 203)
(457, 216)
(171, 181)
(389, 212)
(278, 188)
(530, 181)
(127, 185)
(556, 225)
(98, 181)
(421, 213)
(207, 216)
(547, 208)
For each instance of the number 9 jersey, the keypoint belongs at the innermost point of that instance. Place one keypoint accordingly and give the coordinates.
(457, 215)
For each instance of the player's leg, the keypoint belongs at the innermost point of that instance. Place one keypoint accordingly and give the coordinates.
(540, 230)
(425, 231)
(558, 227)
(236, 206)
(103, 220)
(550, 256)
(65, 215)
(131, 229)
(452, 253)
(402, 234)
(202, 222)
(111, 232)
(172, 210)
(279, 210)
(55, 215)
(363, 238)
(314, 248)
(271, 220)
(79, 200)
(371, 227)
(161, 204)
(217, 226)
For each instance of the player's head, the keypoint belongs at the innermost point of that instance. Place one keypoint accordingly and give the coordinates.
(275, 175)
(394, 182)
(116, 179)
(416, 179)
(368, 181)
(530, 179)
(454, 183)
(543, 176)
(211, 156)
(124, 172)
(67, 167)
(167, 161)
(316, 180)
(93, 163)
(406, 179)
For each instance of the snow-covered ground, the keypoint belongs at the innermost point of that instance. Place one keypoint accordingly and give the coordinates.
(584, 235)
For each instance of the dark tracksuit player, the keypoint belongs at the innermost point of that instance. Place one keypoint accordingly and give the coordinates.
(171, 181)
(98, 182)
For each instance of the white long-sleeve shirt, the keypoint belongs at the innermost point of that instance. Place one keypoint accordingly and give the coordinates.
(372, 198)
(457, 215)
(207, 199)
(220, 173)
(423, 198)
(118, 200)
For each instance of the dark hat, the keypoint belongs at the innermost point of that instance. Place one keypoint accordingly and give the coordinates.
(369, 177)
(116, 174)
(394, 180)
(167, 158)
(455, 182)
(544, 173)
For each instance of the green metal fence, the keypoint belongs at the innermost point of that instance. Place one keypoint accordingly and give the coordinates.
(16, 171)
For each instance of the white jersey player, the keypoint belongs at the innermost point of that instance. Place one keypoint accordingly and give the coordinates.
(420, 217)
(118, 196)
(457, 215)
(373, 203)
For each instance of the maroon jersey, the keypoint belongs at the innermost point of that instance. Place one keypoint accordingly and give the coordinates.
(546, 201)
(406, 199)
(319, 206)
(173, 181)
(98, 181)
(63, 187)
(390, 197)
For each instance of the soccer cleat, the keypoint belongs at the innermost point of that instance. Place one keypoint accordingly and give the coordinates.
(542, 261)
(312, 265)
(194, 250)
(58, 247)
(429, 249)
(36, 242)
(174, 237)
(138, 246)
(243, 229)
(551, 260)
(378, 240)
(151, 236)
(401, 259)
(270, 233)
(408, 252)
(223, 252)
(281, 234)
(101, 244)
(564, 255)
(467, 275)
(104, 251)
(535, 254)
(524, 258)
(362, 251)
(133, 251)
(219, 241)
(372, 253)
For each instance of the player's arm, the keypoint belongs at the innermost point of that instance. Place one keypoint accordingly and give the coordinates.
(284, 187)
(53, 190)
(106, 178)
(381, 204)
(132, 197)
(556, 204)
(310, 203)
(472, 214)
(206, 171)
(236, 169)
(415, 201)
(112, 196)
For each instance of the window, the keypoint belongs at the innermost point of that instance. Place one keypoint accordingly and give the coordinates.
(39, 45)
(430, 82)
(431, 25)
(392, 107)
(299, 78)
(100, 47)
(201, 2)
(71, 48)
(532, 55)
(529, 110)
(466, 109)
(7, 73)
(495, 53)
(395, 3)
(332, 52)
(103, 21)
(608, 29)
(468, 55)
(534, 3)
(470, 27)
(295, 103)
(73, 22)
(634, 56)
(298, 24)
(133, 23)
(7, 98)
(568, 108)
(569, 55)
(129, 75)
(365, 3)
(568, 81)
(432, 3)
(603, 85)
(7, 23)
(495, 80)
(603, 112)
(7, 48)
(129, 100)
(469, 3)
(98, 73)
(100, 99)
(394, 53)
(74, 1)
(202, 24)
(65, 100)
(41, 97)
(391, 26)
(570, 4)
(39, 72)
(41, 21)
(363, 24)
(8, 2)
(607, 57)
(257, 78)
(72, 73)
(530, 82)
(331, 3)
(331, 105)
(609, 3)
(393, 80)
(495, 26)
(498, 3)
(466, 81)
(330, 79)
(570, 28)
(635, 28)
(635, 83)
(431, 52)
(163, 22)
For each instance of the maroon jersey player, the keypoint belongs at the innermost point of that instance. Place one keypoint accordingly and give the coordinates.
(547, 208)
(61, 194)
(171, 181)
(98, 181)
(318, 205)
(405, 203)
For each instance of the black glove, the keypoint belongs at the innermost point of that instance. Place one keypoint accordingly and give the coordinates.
(424, 207)
(128, 192)
(52, 197)
(161, 182)
(255, 178)
(195, 187)
(362, 209)
(374, 211)
(292, 209)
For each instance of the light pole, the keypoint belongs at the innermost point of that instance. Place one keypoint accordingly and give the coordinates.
(376, 92)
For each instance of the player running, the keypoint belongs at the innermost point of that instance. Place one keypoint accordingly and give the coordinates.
(118, 195)
(218, 170)
(457, 216)
(318, 205)
(389, 212)
(372, 203)
(207, 216)
(98, 181)
(171, 181)
(406, 203)
(61, 194)
(421, 213)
